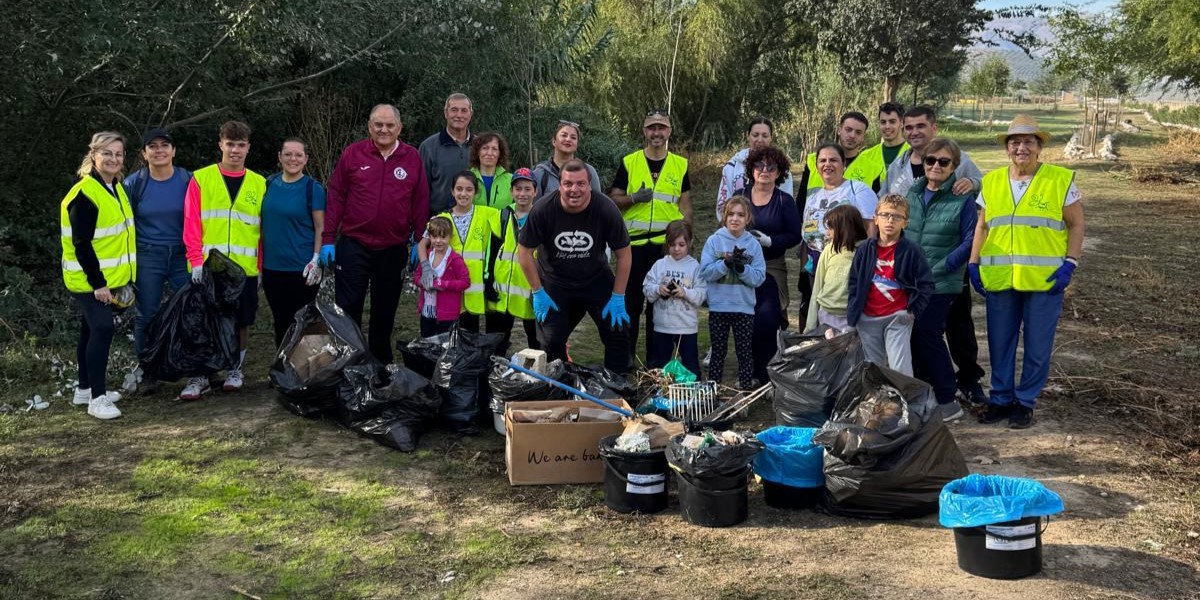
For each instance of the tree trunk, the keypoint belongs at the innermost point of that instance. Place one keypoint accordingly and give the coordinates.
(891, 84)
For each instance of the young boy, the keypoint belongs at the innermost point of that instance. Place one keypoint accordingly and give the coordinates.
(890, 284)
(506, 289)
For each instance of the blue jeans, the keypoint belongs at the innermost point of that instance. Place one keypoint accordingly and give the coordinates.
(1007, 311)
(156, 265)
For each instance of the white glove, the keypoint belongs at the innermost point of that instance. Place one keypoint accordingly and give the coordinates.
(197, 274)
(427, 275)
(312, 271)
(764, 240)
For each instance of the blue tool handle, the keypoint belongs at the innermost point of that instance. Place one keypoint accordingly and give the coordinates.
(563, 386)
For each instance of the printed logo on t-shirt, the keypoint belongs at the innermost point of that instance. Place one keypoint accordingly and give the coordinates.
(400, 173)
(883, 283)
(573, 244)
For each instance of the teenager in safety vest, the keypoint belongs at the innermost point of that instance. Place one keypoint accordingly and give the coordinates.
(474, 228)
(99, 263)
(222, 211)
(860, 166)
(651, 189)
(508, 293)
(1028, 240)
(890, 146)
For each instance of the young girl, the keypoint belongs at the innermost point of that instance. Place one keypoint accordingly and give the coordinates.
(676, 290)
(441, 278)
(732, 263)
(844, 231)
(471, 236)
(506, 288)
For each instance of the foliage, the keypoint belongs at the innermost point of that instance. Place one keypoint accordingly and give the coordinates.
(1163, 39)
(1088, 49)
(894, 41)
(987, 79)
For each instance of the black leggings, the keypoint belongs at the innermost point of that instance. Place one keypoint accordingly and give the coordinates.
(95, 338)
(286, 293)
(719, 326)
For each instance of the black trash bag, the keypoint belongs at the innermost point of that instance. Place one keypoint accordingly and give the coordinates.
(322, 342)
(887, 452)
(195, 334)
(422, 354)
(508, 385)
(713, 461)
(603, 383)
(462, 373)
(392, 406)
(808, 372)
(308, 411)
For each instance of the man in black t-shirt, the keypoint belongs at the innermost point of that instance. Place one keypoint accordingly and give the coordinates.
(571, 276)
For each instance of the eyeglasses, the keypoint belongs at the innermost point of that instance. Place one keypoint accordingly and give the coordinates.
(1022, 143)
(111, 154)
(942, 162)
(893, 217)
(766, 167)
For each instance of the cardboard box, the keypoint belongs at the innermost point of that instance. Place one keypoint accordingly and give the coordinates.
(550, 453)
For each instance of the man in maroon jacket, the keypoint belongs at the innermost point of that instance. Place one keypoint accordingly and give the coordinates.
(378, 197)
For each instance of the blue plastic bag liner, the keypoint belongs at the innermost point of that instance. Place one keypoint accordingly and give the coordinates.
(790, 457)
(978, 500)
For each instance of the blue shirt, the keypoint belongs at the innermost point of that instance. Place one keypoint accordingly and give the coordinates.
(287, 226)
(158, 206)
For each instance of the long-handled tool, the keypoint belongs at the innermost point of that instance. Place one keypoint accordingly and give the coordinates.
(733, 407)
(563, 386)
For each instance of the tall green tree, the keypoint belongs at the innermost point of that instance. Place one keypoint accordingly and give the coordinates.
(1163, 39)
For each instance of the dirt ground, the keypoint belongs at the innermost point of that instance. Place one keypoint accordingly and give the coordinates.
(233, 497)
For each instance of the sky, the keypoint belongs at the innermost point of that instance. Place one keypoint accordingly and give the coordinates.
(1087, 5)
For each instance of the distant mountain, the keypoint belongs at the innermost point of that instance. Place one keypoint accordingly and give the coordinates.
(1021, 65)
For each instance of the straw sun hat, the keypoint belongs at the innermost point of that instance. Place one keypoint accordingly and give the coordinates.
(1024, 125)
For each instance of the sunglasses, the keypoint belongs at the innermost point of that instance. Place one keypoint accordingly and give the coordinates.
(657, 111)
(568, 123)
(941, 162)
(766, 167)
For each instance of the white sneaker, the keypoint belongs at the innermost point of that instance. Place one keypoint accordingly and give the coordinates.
(707, 358)
(233, 381)
(82, 396)
(951, 411)
(195, 388)
(102, 408)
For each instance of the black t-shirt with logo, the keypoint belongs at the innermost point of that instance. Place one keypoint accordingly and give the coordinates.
(570, 246)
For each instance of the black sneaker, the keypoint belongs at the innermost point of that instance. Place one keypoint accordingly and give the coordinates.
(1021, 418)
(995, 413)
(973, 393)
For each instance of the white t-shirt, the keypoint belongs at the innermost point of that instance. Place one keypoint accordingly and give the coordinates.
(462, 223)
(429, 309)
(1018, 191)
(821, 201)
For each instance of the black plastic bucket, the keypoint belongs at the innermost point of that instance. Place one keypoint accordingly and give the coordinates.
(779, 495)
(1009, 550)
(634, 481)
(715, 501)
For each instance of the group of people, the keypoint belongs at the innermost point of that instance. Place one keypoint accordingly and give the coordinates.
(889, 236)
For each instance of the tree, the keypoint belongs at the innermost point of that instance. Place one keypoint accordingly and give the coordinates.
(987, 79)
(1089, 49)
(1163, 39)
(894, 42)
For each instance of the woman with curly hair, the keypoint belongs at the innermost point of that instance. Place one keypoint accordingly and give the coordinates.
(489, 163)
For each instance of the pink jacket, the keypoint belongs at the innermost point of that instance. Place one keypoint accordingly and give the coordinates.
(450, 287)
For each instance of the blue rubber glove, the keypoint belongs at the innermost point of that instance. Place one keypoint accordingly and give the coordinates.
(542, 305)
(327, 253)
(413, 257)
(976, 280)
(614, 311)
(1061, 277)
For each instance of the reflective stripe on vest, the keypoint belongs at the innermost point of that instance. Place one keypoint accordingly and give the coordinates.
(1027, 241)
(114, 242)
(485, 222)
(511, 285)
(231, 225)
(647, 221)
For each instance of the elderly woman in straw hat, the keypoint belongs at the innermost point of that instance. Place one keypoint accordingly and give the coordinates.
(1028, 240)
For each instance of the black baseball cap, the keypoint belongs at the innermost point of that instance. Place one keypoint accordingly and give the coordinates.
(156, 133)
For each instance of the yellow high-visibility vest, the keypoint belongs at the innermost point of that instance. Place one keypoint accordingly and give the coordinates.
(485, 222)
(647, 221)
(1026, 241)
(114, 242)
(867, 168)
(515, 292)
(231, 225)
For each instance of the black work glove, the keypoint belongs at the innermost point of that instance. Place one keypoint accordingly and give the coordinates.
(490, 293)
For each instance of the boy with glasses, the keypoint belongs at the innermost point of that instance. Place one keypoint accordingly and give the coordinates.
(890, 284)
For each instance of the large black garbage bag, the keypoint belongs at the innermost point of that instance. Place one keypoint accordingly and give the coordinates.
(322, 342)
(462, 373)
(308, 411)
(808, 372)
(195, 334)
(714, 460)
(508, 385)
(391, 405)
(603, 383)
(422, 354)
(887, 452)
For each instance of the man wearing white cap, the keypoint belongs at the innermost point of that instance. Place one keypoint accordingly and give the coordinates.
(1028, 241)
(651, 189)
